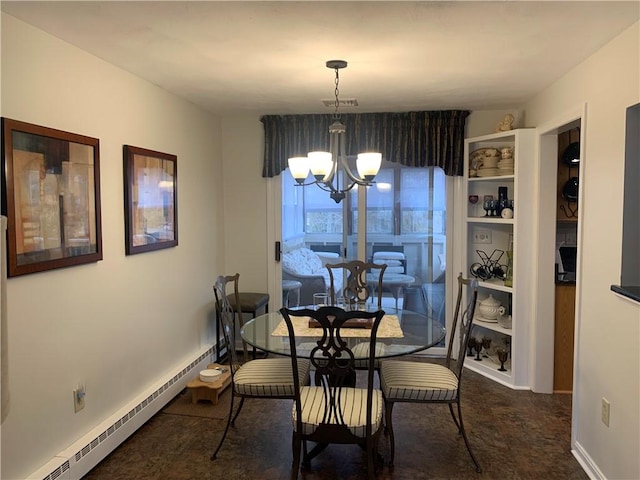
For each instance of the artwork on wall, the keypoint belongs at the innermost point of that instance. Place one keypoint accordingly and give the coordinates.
(51, 184)
(151, 200)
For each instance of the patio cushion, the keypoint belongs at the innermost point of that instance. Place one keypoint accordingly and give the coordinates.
(302, 261)
(388, 256)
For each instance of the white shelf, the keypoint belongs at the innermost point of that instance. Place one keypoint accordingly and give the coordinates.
(493, 220)
(516, 234)
(489, 367)
(492, 326)
(495, 284)
(497, 177)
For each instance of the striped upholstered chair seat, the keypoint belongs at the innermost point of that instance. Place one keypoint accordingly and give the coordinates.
(361, 351)
(353, 403)
(270, 377)
(416, 381)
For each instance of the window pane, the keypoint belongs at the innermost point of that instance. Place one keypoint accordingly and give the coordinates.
(321, 213)
(292, 208)
(380, 203)
(417, 198)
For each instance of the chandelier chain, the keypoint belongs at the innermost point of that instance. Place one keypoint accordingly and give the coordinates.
(336, 114)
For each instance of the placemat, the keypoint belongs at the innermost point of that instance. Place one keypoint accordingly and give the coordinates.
(389, 328)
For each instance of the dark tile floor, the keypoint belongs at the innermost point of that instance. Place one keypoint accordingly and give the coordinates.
(514, 434)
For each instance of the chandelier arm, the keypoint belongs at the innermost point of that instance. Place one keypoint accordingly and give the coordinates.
(334, 168)
(345, 165)
(313, 182)
(327, 187)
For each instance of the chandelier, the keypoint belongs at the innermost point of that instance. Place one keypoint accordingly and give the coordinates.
(325, 166)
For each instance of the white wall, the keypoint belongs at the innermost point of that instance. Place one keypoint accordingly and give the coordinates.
(123, 322)
(245, 208)
(608, 326)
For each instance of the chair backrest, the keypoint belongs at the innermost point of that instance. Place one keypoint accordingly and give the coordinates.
(356, 289)
(334, 365)
(463, 318)
(227, 317)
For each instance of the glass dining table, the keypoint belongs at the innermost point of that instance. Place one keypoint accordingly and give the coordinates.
(402, 332)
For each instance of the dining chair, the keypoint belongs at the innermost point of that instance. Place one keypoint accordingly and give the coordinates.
(357, 291)
(356, 288)
(333, 411)
(241, 303)
(263, 378)
(420, 382)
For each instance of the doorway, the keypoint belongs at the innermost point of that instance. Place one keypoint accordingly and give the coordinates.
(566, 253)
(406, 212)
(553, 345)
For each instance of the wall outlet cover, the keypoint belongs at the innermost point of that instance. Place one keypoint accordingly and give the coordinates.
(481, 236)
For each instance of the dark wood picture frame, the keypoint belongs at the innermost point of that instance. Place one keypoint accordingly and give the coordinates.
(51, 183)
(150, 200)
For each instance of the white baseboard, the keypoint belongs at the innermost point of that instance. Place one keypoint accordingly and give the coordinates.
(587, 463)
(80, 457)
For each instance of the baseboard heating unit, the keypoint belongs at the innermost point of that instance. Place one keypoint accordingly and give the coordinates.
(75, 461)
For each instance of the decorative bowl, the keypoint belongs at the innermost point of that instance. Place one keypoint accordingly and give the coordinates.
(505, 321)
(209, 376)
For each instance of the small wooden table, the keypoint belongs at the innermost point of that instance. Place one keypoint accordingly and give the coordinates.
(210, 390)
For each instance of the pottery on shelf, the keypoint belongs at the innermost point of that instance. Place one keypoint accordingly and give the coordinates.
(490, 308)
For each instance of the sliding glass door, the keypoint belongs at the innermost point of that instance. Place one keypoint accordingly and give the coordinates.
(404, 225)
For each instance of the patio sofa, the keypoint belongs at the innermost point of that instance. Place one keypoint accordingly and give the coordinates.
(308, 268)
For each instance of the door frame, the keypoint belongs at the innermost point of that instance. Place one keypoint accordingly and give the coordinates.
(542, 339)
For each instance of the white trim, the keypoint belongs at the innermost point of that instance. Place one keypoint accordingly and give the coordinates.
(274, 234)
(587, 463)
(577, 113)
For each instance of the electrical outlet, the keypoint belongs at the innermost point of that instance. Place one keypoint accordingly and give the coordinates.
(79, 395)
(481, 236)
(606, 411)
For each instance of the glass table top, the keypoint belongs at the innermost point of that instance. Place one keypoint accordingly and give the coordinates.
(416, 332)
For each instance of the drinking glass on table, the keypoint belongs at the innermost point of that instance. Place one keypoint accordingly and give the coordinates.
(342, 302)
(320, 300)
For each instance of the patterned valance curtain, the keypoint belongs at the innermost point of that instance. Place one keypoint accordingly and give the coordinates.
(417, 139)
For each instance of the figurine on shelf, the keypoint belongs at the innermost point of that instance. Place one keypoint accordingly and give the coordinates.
(506, 124)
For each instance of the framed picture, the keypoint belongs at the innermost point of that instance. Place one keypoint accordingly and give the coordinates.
(51, 181)
(150, 200)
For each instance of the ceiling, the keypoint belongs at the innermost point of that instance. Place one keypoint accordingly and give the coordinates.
(269, 57)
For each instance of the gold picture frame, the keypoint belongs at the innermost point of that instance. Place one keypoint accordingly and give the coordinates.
(151, 200)
(51, 181)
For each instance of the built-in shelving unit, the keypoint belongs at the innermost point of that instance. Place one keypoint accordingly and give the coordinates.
(515, 234)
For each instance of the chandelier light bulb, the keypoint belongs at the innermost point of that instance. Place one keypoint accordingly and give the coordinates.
(299, 168)
(368, 165)
(321, 164)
